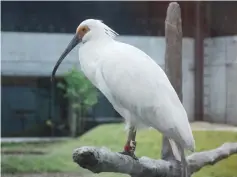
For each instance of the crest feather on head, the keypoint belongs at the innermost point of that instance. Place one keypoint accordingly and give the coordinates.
(92, 22)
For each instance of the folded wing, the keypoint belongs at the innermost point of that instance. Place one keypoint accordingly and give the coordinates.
(134, 81)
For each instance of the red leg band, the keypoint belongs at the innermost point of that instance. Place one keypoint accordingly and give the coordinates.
(127, 148)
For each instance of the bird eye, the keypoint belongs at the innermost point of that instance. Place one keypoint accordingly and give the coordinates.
(84, 29)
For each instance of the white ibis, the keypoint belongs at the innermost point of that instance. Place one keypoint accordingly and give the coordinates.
(135, 85)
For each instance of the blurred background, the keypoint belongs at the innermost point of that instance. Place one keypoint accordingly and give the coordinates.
(33, 36)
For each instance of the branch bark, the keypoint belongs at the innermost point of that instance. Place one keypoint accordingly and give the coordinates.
(173, 61)
(173, 51)
(102, 159)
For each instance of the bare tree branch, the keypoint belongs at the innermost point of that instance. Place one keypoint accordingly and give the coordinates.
(173, 50)
(200, 159)
(102, 159)
(173, 61)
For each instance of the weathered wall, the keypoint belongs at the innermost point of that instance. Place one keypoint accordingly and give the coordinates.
(37, 53)
(220, 80)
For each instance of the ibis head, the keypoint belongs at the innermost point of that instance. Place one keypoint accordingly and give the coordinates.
(87, 30)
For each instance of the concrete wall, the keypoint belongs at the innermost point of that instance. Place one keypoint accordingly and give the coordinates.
(220, 80)
(37, 53)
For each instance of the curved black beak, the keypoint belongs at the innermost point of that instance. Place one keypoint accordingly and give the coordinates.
(76, 40)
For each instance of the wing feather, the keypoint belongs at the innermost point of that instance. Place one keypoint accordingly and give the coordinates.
(132, 80)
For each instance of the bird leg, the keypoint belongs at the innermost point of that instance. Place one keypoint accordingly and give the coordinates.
(130, 145)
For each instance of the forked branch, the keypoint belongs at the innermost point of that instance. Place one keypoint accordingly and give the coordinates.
(102, 159)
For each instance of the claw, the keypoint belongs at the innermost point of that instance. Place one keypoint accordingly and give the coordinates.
(131, 154)
(130, 149)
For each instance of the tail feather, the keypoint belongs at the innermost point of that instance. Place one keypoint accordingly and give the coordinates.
(175, 150)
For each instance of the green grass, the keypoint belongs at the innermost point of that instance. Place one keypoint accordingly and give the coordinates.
(58, 157)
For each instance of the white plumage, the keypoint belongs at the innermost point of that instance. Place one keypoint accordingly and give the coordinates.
(135, 85)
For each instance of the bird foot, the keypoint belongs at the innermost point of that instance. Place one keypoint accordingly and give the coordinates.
(130, 149)
(131, 154)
